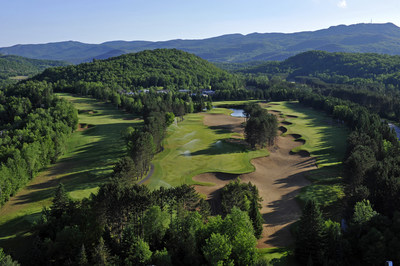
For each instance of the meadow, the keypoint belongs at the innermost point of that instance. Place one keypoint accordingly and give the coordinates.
(87, 162)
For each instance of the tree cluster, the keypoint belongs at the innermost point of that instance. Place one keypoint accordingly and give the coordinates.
(131, 225)
(245, 197)
(34, 126)
(261, 127)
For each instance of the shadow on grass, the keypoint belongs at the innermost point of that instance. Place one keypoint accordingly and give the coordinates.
(84, 168)
(220, 147)
(332, 137)
(226, 129)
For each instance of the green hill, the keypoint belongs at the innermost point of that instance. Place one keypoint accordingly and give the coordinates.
(159, 69)
(340, 68)
(14, 67)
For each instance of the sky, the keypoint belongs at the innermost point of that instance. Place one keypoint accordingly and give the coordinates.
(97, 21)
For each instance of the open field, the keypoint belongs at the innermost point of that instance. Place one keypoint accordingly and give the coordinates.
(280, 177)
(192, 148)
(89, 158)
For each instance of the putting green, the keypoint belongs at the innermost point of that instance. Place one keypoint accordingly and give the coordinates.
(191, 148)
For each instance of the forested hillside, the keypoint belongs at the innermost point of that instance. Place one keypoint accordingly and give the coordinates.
(360, 38)
(158, 69)
(13, 66)
(34, 125)
(366, 69)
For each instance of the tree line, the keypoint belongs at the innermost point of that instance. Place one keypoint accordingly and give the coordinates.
(368, 234)
(34, 127)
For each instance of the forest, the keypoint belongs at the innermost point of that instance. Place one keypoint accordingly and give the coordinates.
(167, 69)
(13, 66)
(377, 71)
(35, 124)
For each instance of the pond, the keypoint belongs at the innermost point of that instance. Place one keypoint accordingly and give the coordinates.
(396, 128)
(237, 112)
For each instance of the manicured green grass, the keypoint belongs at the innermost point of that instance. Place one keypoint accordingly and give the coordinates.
(325, 140)
(191, 148)
(87, 163)
(278, 256)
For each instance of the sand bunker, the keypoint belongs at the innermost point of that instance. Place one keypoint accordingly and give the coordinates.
(282, 129)
(221, 121)
(278, 177)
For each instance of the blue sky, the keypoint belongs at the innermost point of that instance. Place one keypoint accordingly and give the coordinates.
(96, 21)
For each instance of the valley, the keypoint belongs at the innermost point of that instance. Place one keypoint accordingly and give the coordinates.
(149, 165)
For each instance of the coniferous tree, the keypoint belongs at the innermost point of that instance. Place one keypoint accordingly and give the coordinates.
(82, 258)
(60, 201)
(310, 234)
(101, 253)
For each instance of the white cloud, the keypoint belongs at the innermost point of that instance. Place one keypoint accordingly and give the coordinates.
(342, 4)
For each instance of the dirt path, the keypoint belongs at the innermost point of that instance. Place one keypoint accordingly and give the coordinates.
(279, 178)
(148, 175)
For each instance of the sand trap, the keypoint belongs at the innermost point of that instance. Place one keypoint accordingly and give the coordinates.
(221, 121)
(276, 112)
(282, 129)
(278, 177)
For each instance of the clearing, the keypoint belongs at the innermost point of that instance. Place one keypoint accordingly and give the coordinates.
(91, 153)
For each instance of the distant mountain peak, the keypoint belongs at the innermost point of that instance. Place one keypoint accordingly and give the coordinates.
(362, 37)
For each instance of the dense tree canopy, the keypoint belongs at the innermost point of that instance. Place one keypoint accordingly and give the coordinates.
(34, 125)
(342, 68)
(13, 66)
(162, 68)
(128, 224)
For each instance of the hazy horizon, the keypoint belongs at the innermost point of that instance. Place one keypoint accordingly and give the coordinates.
(233, 33)
(89, 21)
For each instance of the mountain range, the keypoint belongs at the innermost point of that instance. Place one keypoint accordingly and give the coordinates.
(371, 38)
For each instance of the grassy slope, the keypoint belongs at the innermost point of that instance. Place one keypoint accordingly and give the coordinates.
(326, 141)
(86, 164)
(191, 148)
